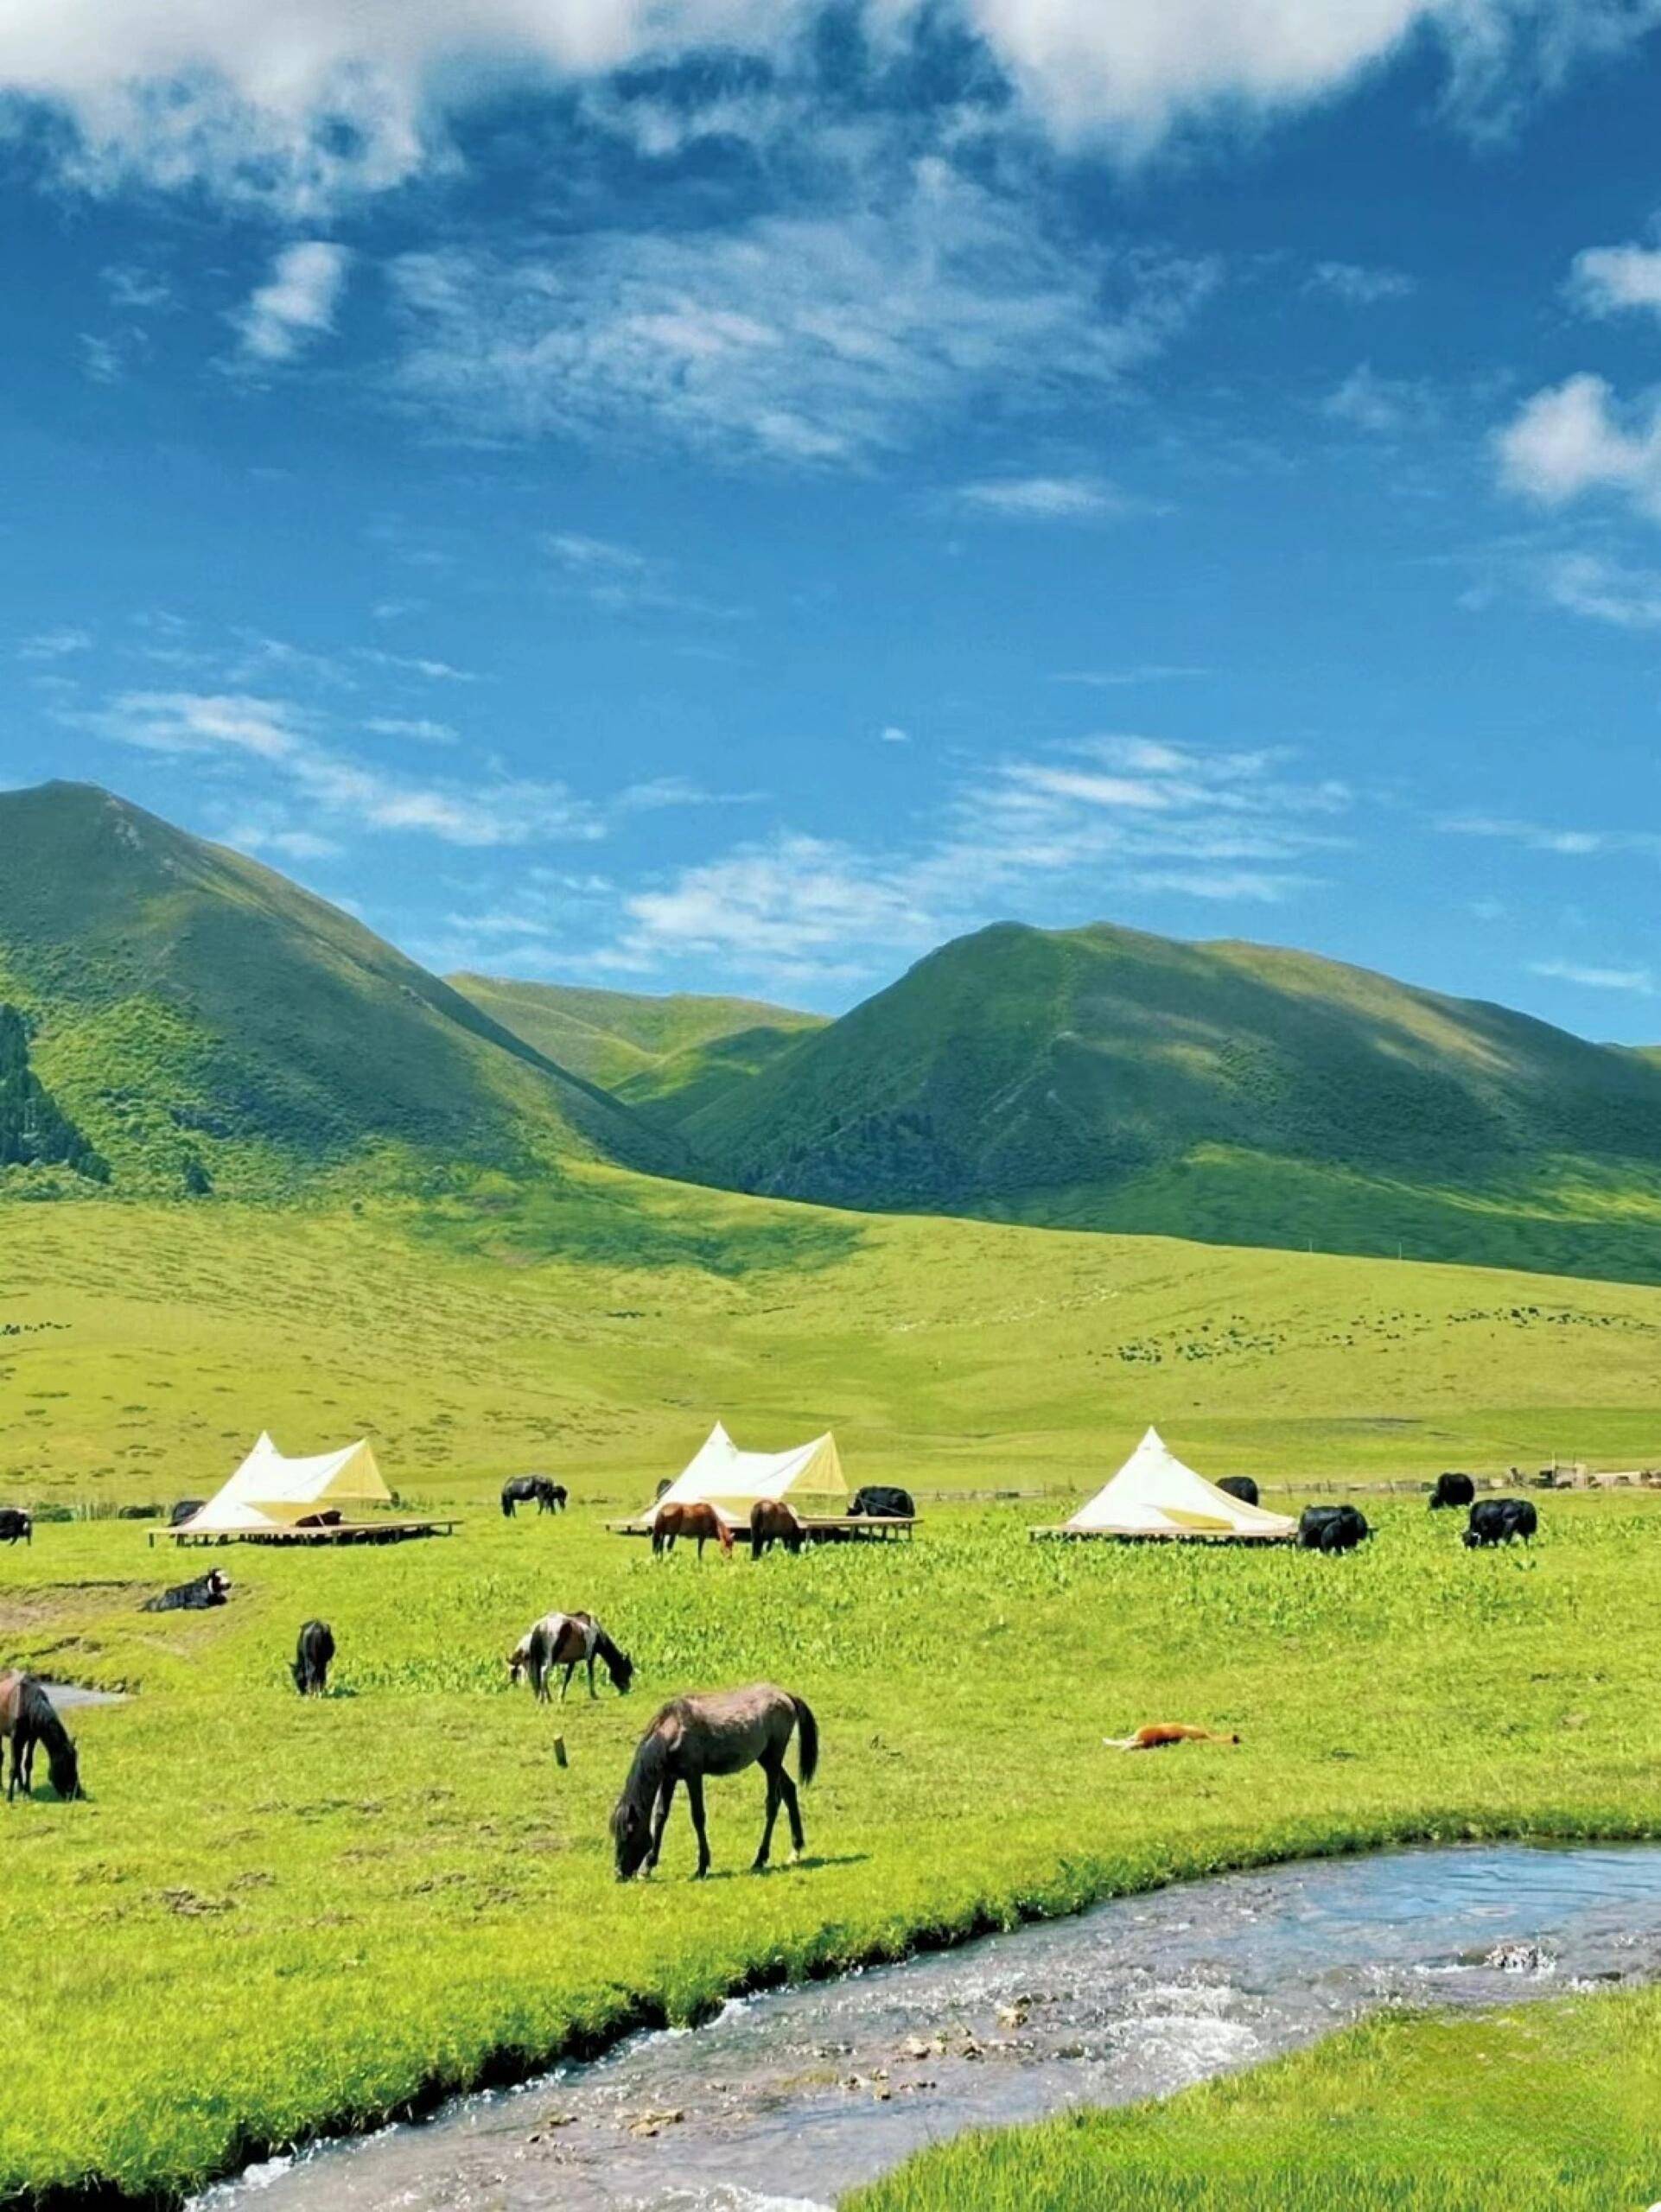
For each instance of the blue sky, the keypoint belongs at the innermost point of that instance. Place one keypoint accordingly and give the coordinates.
(700, 494)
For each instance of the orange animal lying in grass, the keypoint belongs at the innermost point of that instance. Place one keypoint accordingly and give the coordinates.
(1158, 1734)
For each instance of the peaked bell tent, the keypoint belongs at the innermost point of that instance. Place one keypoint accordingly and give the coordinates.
(268, 1491)
(1155, 1494)
(810, 1478)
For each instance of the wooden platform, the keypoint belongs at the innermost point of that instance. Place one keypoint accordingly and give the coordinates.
(341, 1532)
(847, 1529)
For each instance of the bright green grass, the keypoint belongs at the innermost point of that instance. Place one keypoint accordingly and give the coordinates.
(271, 1916)
(1554, 2107)
(600, 1329)
(407, 1859)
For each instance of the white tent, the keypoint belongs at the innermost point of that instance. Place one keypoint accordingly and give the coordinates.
(268, 1491)
(1155, 1494)
(810, 1478)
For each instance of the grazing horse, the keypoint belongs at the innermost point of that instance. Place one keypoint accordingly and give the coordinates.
(311, 1659)
(210, 1589)
(567, 1640)
(773, 1522)
(14, 1524)
(700, 1521)
(520, 1489)
(28, 1716)
(1159, 1734)
(720, 1734)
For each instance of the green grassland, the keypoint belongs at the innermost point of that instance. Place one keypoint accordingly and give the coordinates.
(1554, 2106)
(404, 1862)
(1106, 1079)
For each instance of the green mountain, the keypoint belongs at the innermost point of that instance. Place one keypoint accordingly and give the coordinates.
(1100, 1078)
(669, 1057)
(199, 1023)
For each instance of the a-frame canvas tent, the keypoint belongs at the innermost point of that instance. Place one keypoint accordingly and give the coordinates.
(810, 1478)
(1155, 1494)
(268, 1491)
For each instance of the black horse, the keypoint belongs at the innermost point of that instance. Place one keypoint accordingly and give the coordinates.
(721, 1734)
(29, 1717)
(520, 1489)
(313, 1654)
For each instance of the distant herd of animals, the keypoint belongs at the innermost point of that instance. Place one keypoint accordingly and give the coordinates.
(691, 1738)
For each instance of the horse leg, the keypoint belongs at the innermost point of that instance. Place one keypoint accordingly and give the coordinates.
(759, 1864)
(694, 1799)
(566, 1684)
(793, 1811)
(591, 1687)
(666, 1799)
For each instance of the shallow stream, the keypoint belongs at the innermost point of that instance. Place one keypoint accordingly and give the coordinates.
(786, 2100)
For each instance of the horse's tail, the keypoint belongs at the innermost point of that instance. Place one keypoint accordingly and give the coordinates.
(807, 1730)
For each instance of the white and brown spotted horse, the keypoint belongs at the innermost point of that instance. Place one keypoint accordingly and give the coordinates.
(567, 1640)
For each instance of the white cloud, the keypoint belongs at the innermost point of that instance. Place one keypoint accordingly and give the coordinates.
(1358, 286)
(1115, 679)
(293, 745)
(311, 101)
(1603, 590)
(1094, 823)
(1543, 837)
(1607, 278)
(621, 581)
(804, 339)
(55, 645)
(431, 670)
(296, 305)
(1046, 499)
(1639, 981)
(1385, 407)
(420, 729)
(1573, 438)
(891, 733)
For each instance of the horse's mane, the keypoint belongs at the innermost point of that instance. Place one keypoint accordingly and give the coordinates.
(36, 1712)
(650, 1757)
(608, 1650)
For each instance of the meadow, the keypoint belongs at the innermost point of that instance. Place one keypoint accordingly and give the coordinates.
(1555, 2105)
(269, 1918)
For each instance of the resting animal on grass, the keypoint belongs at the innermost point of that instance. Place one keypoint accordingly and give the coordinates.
(210, 1589)
(1240, 1486)
(1159, 1734)
(721, 1733)
(521, 1490)
(883, 1502)
(1452, 1489)
(773, 1522)
(568, 1640)
(185, 1509)
(29, 1717)
(1501, 1519)
(701, 1523)
(311, 1659)
(14, 1524)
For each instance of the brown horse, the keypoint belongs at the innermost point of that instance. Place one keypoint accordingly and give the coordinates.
(29, 1717)
(699, 1521)
(720, 1734)
(1158, 1735)
(773, 1522)
(566, 1640)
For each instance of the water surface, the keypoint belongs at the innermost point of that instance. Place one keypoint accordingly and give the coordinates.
(787, 2099)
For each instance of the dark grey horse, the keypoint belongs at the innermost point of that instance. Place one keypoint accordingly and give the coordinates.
(722, 1732)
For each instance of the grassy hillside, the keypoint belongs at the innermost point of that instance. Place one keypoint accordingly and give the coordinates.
(203, 1024)
(1103, 1079)
(601, 1326)
(666, 1056)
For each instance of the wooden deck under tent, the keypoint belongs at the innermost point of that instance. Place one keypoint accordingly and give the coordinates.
(334, 1532)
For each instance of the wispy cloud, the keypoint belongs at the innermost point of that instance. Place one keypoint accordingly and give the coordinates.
(1602, 590)
(296, 305)
(1092, 823)
(1115, 679)
(293, 744)
(1385, 407)
(1568, 843)
(429, 670)
(1357, 285)
(621, 580)
(55, 645)
(806, 340)
(1046, 499)
(1576, 438)
(1639, 981)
